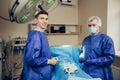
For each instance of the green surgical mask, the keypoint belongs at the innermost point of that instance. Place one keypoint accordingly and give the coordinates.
(92, 30)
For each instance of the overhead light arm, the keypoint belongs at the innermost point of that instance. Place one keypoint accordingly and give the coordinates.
(11, 14)
(40, 7)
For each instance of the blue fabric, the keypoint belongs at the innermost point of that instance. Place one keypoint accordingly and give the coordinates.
(67, 55)
(99, 55)
(36, 54)
(82, 60)
(79, 78)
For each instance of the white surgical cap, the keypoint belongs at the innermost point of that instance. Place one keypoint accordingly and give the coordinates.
(95, 18)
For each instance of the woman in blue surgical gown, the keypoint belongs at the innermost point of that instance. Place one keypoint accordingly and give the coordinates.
(37, 58)
(97, 52)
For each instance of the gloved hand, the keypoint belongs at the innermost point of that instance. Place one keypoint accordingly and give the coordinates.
(90, 62)
(87, 62)
(82, 60)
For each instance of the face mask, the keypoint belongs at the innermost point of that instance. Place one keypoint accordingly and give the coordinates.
(92, 30)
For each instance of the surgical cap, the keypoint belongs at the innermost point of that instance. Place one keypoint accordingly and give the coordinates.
(95, 18)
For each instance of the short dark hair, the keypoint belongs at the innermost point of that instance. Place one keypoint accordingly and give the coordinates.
(41, 12)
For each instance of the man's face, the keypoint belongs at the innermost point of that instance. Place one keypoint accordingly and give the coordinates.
(94, 23)
(93, 27)
(42, 21)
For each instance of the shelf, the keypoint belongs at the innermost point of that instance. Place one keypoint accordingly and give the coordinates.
(63, 29)
(60, 29)
(62, 34)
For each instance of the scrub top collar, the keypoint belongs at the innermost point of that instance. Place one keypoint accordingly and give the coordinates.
(96, 34)
(41, 30)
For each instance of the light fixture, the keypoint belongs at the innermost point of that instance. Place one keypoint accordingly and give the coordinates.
(22, 11)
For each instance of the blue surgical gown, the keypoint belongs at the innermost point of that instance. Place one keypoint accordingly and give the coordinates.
(36, 55)
(99, 54)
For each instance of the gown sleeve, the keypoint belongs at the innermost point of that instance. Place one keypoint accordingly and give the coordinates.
(108, 53)
(33, 55)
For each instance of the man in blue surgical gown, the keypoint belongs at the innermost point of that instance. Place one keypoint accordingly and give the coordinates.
(37, 58)
(97, 52)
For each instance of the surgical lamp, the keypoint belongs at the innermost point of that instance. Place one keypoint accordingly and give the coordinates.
(23, 11)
